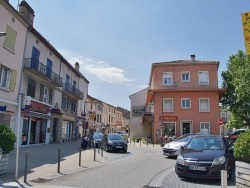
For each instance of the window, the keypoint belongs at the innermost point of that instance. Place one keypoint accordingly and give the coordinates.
(185, 103)
(205, 127)
(73, 105)
(203, 78)
(10, 38)
(5, 76)
(65, 102)
(223, 114)
(167, 78)
(31, 88)
(168, 105)
(204, 105)
(185, 76)
(45, 94)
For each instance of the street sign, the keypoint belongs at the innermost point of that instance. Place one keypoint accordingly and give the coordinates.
(220, 121)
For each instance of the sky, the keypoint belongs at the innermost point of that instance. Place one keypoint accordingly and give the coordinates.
(116, 41)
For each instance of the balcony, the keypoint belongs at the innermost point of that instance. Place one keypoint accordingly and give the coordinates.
(72, 91)
(38, 69)
(187, 86)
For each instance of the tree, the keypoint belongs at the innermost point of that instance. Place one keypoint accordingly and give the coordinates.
(237, 96)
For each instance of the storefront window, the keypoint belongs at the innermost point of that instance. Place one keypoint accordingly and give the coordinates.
(43, 131)
(67, 129)
(25, 130)
(169, 129)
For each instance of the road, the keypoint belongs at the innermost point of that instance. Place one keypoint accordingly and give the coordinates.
(136, 168)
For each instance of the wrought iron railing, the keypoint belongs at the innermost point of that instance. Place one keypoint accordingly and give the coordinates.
(34, 64)
(188, 85)
(72, 89)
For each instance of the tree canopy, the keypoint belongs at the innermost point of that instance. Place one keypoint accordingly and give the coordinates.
(237, 96)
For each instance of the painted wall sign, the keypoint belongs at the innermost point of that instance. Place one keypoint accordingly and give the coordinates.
(3, 108)
(38, 107)
(168, 118)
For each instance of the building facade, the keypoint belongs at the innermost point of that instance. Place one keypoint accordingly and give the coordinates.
(184, 97)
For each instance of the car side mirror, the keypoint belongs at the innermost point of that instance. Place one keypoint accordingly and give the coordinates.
(182, 147)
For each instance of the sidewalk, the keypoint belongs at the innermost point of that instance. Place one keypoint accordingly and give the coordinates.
(43, 162)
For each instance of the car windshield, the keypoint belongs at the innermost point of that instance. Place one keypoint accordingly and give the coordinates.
(98, 136)
(115, 137)
(213, 143)
(184, 138)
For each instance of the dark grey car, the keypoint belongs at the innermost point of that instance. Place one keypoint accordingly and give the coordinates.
(114, 142)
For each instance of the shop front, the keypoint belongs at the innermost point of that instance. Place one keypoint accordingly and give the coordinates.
(35, 124)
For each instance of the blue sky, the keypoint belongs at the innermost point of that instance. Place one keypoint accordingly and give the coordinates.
(116, 41)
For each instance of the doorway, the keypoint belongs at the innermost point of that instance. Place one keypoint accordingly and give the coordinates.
(186, 128)
(54, 129)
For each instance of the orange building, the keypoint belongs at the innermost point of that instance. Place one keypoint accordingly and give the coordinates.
(184, 96)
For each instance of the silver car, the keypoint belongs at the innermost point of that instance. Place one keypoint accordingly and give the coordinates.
(173, 149)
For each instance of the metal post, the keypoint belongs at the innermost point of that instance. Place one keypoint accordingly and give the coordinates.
(147, 141)
(26, 167)
(102, 150)
(94, 152)
(58, 166)
(140, 141)
(80, 152)
(134, 141)
(18, 135)
(98, 148)
(130, 140)
(223, 178)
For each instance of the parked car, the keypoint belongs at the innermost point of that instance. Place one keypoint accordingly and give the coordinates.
(97, 139)
(233, 136)
(114, 142)
(204, 157)
(173, 149)
(123, 133)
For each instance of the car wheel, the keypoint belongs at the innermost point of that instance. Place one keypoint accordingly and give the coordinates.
(229, 173)
(124, 151)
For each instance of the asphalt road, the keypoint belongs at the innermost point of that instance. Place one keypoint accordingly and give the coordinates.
(133, 169)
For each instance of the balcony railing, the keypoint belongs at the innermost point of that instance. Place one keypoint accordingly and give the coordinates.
(39, 69)
(188, 86)
(72, 90)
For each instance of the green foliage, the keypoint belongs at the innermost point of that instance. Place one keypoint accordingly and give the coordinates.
(242, 147)
(7, 139)
(237, 96)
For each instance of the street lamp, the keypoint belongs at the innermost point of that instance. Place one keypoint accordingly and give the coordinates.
(2, 34)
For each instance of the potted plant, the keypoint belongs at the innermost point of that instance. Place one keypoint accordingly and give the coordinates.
(7, 141)
(242, 154)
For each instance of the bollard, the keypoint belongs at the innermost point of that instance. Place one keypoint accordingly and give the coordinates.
(58, 166)
(223, 179)
(98, 147)
(102, 150)
(134, 142)
(130, 140)
(140, 141)
(80, 152)
(26, 167)
(94, 152)
(147, 141)
(153, 143)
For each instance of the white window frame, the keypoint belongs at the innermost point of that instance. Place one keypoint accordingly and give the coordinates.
(185, 73)
(185, 106)
(223, 114)
(168, 76)
(201, 105)
(166, 106)
(46, 94)
(204, 124)
(5, 77)
(65, 105)
(203, 77)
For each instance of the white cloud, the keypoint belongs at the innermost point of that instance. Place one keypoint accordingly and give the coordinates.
(101, 70)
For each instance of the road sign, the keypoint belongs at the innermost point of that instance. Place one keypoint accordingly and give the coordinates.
(220, 121)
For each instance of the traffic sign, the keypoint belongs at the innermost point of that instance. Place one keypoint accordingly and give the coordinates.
(220, 121)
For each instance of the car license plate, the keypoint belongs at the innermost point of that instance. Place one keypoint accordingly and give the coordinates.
(118, 146)
(201, 168)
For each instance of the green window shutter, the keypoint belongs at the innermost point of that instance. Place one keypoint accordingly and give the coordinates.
(10, 38)
(41, 92)
(13, 80)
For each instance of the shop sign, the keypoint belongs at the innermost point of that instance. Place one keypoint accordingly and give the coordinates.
(38, 107)
(3, 108)
(168, 118)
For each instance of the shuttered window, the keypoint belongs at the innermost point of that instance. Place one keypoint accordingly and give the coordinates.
(10, 38)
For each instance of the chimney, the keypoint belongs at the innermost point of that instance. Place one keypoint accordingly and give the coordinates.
(193, 58)
(26, 12)
(77, 66)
